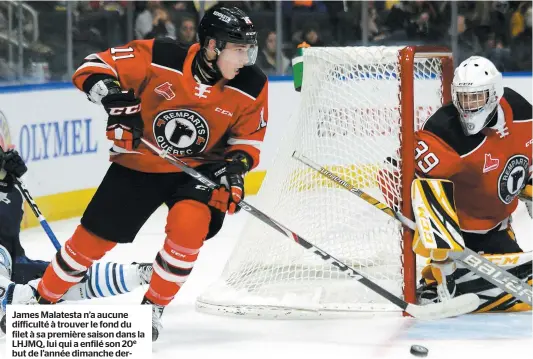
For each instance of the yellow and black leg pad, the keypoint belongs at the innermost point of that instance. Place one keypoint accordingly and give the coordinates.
(492, 298)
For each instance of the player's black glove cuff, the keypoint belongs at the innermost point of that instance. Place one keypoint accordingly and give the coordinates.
(238, 162)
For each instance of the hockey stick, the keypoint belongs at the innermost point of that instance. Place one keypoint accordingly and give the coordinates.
(37, 212)
(476, 263)
(35, 209)
(456, 306)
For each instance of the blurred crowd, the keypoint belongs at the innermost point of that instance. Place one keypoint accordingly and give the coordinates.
(499, 30)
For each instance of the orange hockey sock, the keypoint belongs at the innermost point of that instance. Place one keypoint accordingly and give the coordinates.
(70, 264)
(187, 227)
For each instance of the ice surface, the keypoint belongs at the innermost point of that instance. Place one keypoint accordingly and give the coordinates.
(189, 334)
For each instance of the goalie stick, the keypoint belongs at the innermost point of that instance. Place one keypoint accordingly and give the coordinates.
(489, 271)
(35, 209)
(456, 306)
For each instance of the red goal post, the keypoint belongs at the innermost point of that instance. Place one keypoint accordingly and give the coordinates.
(406, 59)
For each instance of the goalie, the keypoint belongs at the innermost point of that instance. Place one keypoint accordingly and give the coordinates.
(479, 146)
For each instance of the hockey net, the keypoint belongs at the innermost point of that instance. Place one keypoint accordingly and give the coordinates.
(359, 109)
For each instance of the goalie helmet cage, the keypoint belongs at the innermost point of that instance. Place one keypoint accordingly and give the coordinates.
(358, 112)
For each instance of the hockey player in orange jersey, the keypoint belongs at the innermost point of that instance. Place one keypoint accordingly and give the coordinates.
(207, 104)
(482, 142)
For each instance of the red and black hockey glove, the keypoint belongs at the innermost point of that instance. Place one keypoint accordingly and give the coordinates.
(124, 124)
(231, 177)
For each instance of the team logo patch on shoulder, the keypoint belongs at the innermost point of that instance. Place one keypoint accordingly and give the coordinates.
(490, 163)
(512, 178)
(165, 90)
(181, 132)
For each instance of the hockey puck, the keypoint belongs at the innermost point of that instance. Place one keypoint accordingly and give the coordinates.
(419, 351)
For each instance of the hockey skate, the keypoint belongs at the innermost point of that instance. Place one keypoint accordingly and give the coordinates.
(431, 292)
(157, 313)
(144, 270)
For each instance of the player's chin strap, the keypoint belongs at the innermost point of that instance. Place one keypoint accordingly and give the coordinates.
(206, 71)
(476, 263)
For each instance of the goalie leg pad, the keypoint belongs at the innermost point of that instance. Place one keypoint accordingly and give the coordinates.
(492, 298)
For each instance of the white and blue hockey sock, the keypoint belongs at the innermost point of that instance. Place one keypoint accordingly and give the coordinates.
(107, 280)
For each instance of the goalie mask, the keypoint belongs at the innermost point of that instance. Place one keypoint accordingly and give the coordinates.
(476, 91)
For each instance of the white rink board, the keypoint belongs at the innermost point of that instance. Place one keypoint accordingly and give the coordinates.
(60, 133)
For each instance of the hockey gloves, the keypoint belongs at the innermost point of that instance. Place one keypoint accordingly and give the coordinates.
(11, 165)
(124, 125)
(231, 177)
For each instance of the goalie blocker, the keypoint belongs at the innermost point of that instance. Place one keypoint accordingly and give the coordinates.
(438, 234)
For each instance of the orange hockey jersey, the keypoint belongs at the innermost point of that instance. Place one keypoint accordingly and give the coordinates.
(191, 120)
(488, 169)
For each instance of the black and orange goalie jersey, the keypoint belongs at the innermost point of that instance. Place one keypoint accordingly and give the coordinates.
(488, 169)
(188, 119)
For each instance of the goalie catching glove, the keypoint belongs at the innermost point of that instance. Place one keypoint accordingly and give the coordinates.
(124, 125)
(231, 177)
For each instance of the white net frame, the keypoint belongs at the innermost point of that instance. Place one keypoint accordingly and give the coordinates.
(350, 120)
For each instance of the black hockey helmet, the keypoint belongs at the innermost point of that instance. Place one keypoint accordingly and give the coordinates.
(228, 24)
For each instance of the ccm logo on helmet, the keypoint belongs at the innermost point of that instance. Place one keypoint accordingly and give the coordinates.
(117, 111)
(222, 17)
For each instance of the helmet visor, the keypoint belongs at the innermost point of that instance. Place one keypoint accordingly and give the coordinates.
(239, 54)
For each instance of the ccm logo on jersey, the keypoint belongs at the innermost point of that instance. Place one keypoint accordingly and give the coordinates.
(490, 163)
(530, 142)
(224, 112)
(117, 111)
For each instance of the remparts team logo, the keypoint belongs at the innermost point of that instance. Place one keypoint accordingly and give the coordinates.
(512, 178)
(181, 132)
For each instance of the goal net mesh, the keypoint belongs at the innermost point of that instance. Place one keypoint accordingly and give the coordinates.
(349, 121)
